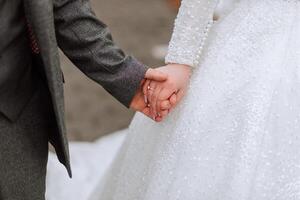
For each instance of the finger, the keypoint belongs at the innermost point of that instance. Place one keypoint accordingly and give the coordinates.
(158, 119)
(164, 99)
(173, 102)
(173, 99)
(150, 92)
(158, 102)
(165, 105)
(142, 82)
(166, 93)
(145, 90)
(146, 111)
(137, 102)
(156, 75)
(180, 95)
(164, 113)
(154, 99)
(145, 86)
(176, 98)
(162, 116)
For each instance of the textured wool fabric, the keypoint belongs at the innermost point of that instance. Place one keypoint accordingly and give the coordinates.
(16, 82)
(73, 26)
(24, 149)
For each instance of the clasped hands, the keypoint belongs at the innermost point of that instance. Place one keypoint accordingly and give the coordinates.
(161, 90)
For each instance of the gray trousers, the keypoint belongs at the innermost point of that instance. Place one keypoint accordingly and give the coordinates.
(24, 149)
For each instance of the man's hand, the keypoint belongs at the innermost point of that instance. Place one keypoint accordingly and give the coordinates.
(139, 102)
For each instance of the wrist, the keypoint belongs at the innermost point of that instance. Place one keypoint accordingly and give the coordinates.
(181, 66)
(186, 69)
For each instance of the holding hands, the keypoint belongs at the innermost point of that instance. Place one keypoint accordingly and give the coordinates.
(161, 90)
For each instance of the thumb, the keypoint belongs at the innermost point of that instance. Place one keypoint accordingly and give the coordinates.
(156, 75)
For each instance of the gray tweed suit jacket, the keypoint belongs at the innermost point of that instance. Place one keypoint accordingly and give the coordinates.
(72, 26)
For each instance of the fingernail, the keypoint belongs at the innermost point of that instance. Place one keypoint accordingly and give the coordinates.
(145, 99)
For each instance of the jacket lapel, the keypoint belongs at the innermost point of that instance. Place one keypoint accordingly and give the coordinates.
(39, 14)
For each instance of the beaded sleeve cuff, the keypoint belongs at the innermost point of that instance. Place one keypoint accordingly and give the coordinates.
(191, 29)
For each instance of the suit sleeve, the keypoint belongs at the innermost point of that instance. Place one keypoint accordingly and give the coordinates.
(87, 42)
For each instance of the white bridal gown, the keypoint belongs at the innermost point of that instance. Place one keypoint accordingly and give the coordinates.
(236, 135)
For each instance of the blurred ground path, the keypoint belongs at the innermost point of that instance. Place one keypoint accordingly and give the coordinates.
(137, 26)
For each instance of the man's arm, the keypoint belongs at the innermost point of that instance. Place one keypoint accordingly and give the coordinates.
(88, 43)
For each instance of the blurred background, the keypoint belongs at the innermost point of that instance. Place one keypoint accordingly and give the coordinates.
(143, 29)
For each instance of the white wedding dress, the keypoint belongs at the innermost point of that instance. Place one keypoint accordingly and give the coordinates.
(236, 134)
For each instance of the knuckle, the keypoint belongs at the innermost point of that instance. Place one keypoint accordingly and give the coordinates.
(161, 98)
(154, 97)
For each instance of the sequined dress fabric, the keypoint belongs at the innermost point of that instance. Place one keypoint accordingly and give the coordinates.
(236, 134)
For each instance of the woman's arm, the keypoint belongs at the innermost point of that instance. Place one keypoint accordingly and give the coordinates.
(191, 29)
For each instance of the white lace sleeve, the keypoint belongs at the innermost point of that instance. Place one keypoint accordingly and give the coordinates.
(193, 22)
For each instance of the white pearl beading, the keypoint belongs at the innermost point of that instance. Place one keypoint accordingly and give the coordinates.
(192, 26)
(191, 30)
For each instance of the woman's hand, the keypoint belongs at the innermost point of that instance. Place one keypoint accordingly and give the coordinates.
(138, 102)
(173, 89)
